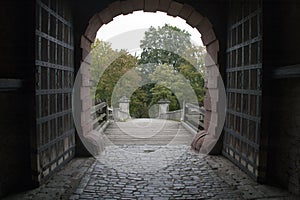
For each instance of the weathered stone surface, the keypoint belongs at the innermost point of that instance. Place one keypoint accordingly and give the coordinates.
(106, 16)
(151, 5)
(175, 9)
(186, 11)
(152, 172)
(138, 4)
(61, 186)
(115, 8)
(194, 19)
(208, 37)
(164, 5)
(188, 176)
(126, 7)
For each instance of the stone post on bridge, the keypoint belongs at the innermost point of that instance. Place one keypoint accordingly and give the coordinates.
(163, 108)
(123, 113)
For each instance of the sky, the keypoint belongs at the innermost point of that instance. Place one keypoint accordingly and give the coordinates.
(126, 31)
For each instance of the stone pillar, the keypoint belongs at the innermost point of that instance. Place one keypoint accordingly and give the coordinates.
(124, 108)
(163, 108)
(182, 118)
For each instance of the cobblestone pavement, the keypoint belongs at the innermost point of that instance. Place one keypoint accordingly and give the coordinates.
(62, 185)
(173, 172)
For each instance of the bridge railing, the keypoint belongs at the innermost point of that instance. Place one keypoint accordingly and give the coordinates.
(193, 116)
(172, 115)
(100, 116)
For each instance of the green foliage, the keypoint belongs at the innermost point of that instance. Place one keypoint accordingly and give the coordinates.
(114, 75)
(172, 86)
(172, 46)
(164, 45)
(108, 68)
(102, 56)
(195, 79)
(162, 92)
(167, 38)
(170, 67)
(140, 101)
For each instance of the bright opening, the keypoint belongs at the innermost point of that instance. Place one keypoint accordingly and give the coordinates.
(146, 60)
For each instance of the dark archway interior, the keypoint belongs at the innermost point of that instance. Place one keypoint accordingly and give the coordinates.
(34, 148)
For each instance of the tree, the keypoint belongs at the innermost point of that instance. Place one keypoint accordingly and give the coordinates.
(172, 86)
(117, 80)
(162, 92)
(163, 45)
(170, 67)
(110, 69)
(139, 103)
(172, 46)
(102, 56)
(195, 79)
(194, 55)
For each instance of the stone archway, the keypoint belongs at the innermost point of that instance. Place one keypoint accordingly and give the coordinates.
(172, 8)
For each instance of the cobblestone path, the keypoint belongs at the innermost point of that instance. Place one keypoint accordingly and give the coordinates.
(133, 169)
(183, 175)
(190, 177)
(187, 177)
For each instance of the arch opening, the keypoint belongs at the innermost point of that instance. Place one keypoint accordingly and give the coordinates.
(214, 109)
